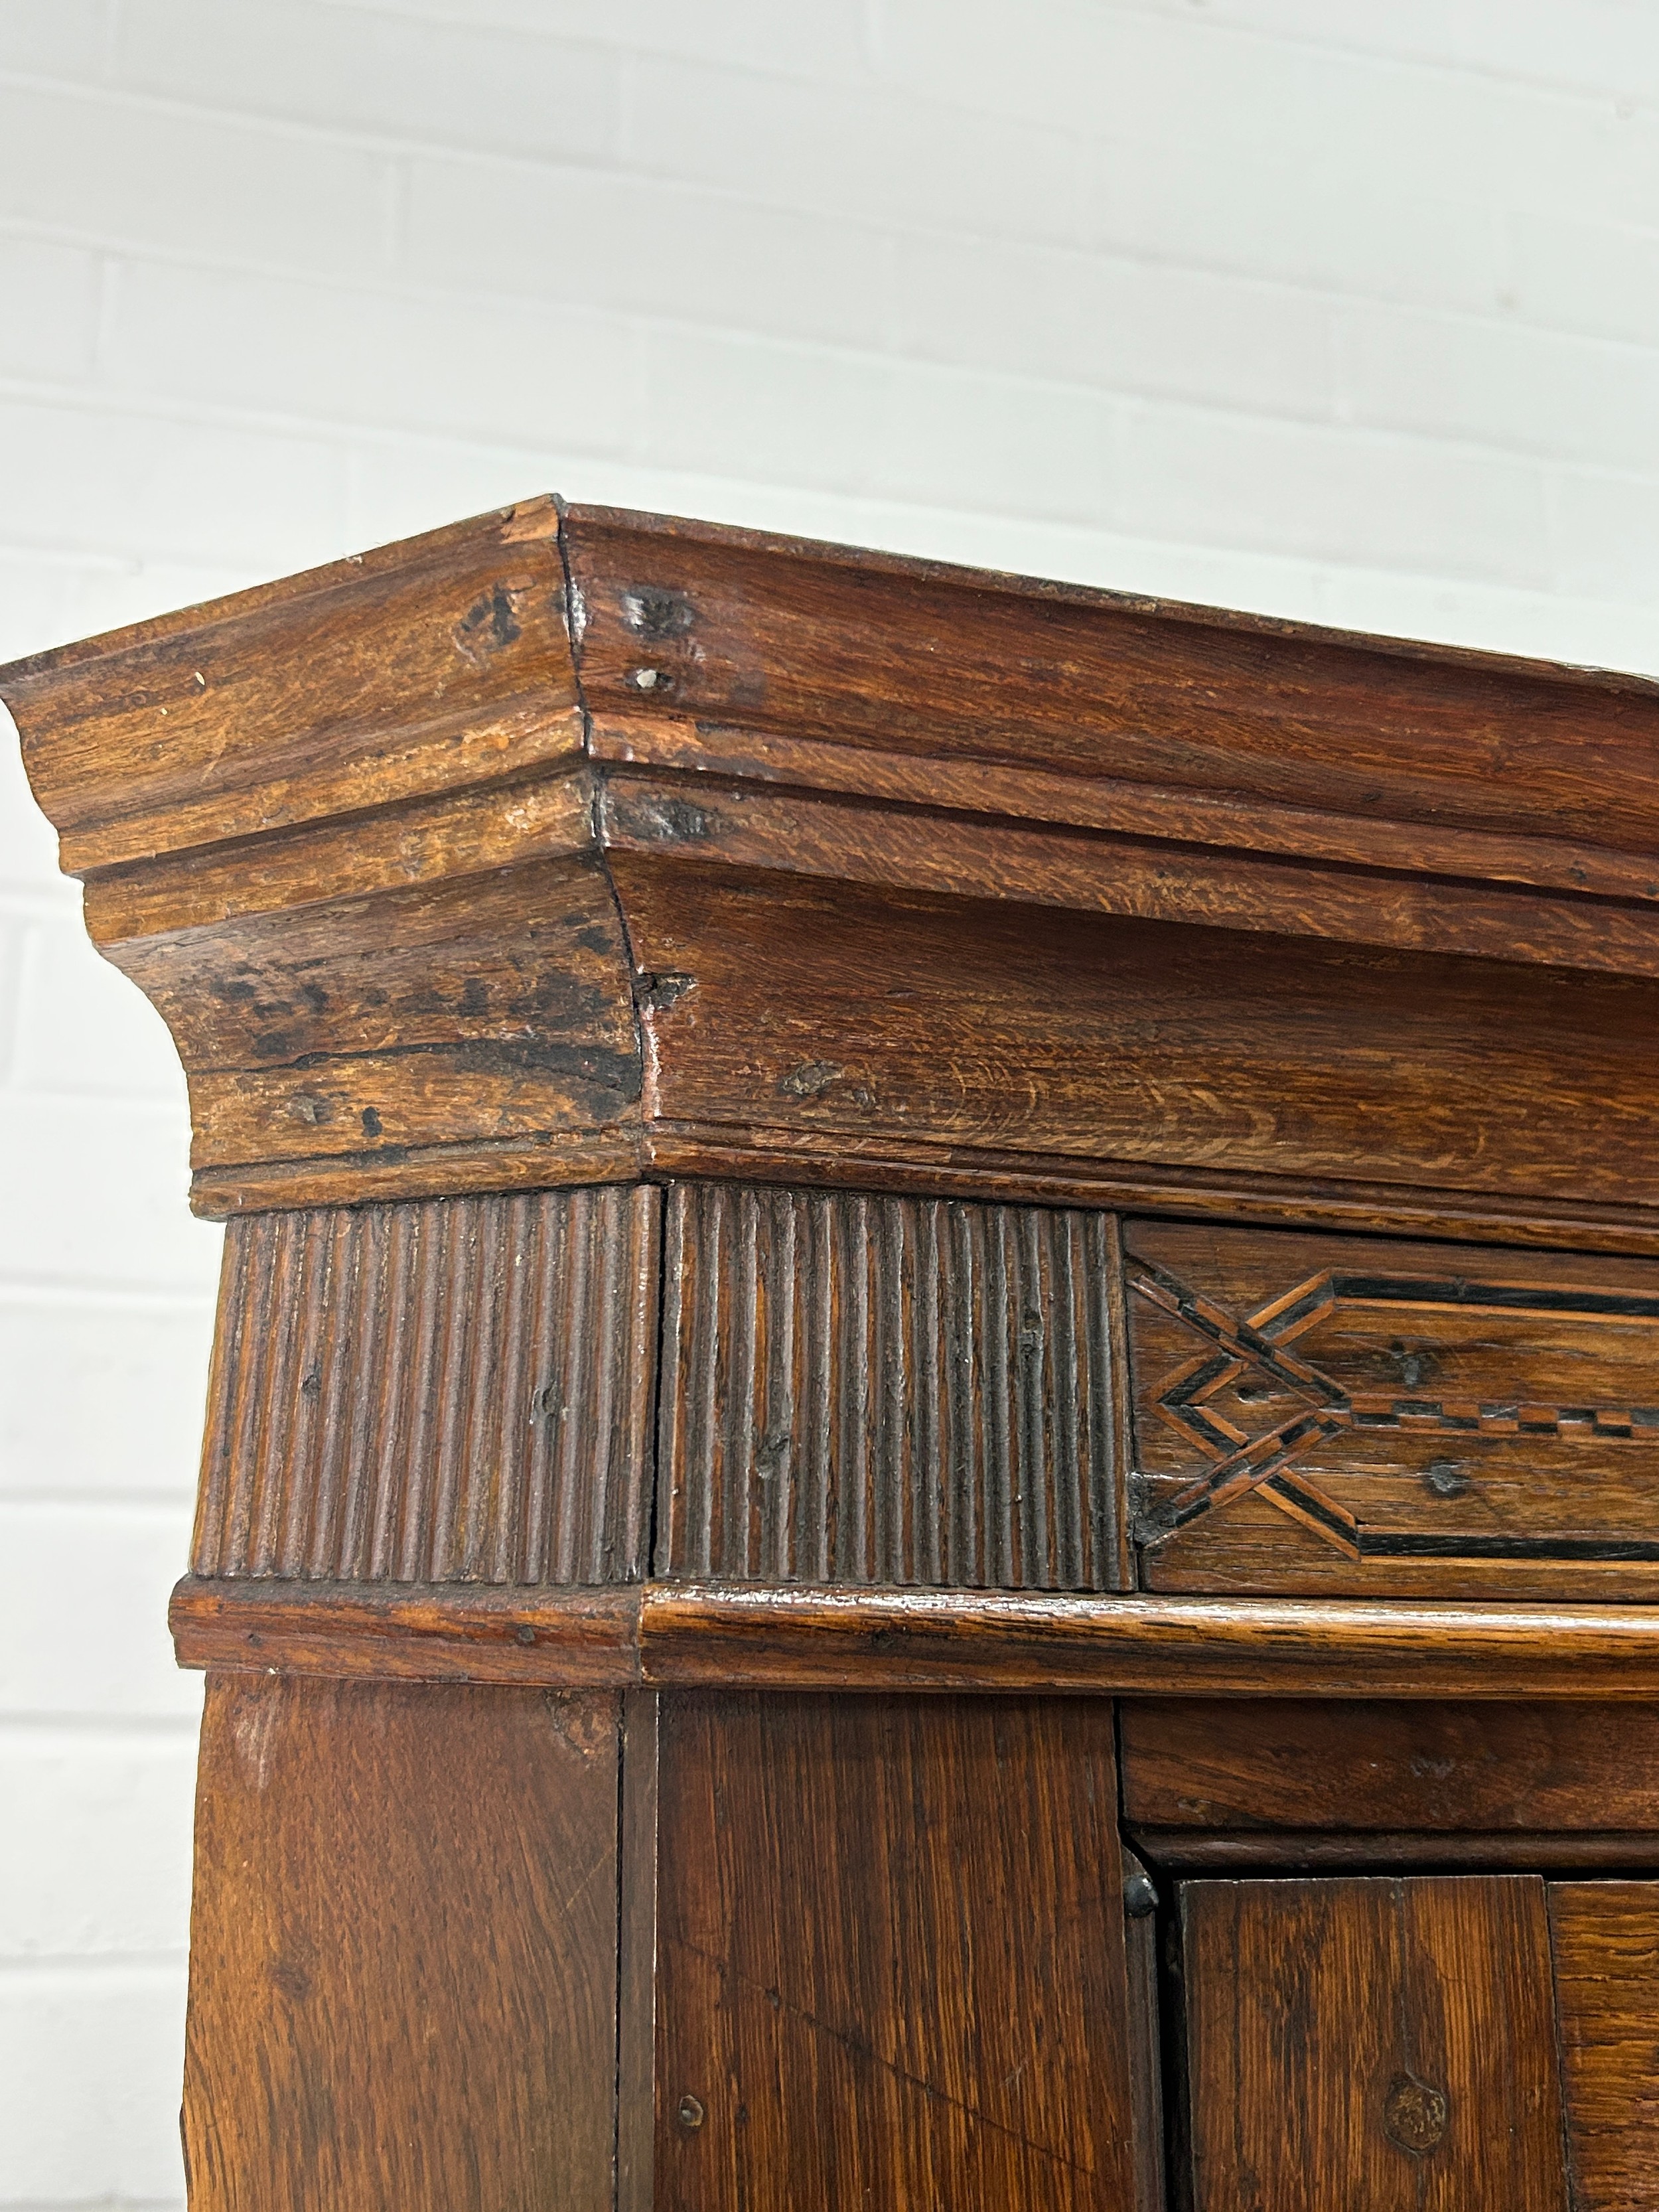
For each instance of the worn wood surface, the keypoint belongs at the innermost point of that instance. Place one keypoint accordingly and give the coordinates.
(490, 1011)
(1085, 871)
(441, 662)
(839, 1020)
(404, 1943)
(1605, 1939)
(1359, 1416)
(637, 1957)
(458, 1391)
(789, 1636)
(725, 1151)
(448, 878)
(891, 1953)
(749, 633)
(552, 1637)
(1195, 815)
(1504, 1771)
(1398, 1851)
(1383, 2046)
(870, 1389)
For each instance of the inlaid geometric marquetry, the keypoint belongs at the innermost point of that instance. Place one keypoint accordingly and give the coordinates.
(1245, 1460)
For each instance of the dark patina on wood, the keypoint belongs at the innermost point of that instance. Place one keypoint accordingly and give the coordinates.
(933, 1454)
(887, 1390)
(561, 846)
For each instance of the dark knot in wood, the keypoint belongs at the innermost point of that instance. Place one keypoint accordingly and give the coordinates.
(1414, 2115)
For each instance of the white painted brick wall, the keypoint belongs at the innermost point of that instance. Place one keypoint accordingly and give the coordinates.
(1328, 308)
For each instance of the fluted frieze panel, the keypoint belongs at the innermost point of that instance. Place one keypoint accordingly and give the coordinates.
(452, 1391)
(885, 1390)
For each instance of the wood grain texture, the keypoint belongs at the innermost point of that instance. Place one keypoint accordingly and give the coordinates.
(788, 1637)
(551, 1638)
(1433, 1768)
(1215, 818)
(1145, 2032)
(495, 1008)
(1028, 1640)
(914, 849)
(1385, 2045)
(402, 1965)
(891, 1955)
(638, 1959)
(456, 833)
(1396, 1850)
(422, 666)
(1351, 1415)
(453, 1392)
(1606, 1940)
(959, 884)
(751, 633)
(885, 1390)
(934, 1167)
(839, 1021)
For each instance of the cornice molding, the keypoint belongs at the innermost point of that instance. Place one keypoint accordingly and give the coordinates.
(573, 846)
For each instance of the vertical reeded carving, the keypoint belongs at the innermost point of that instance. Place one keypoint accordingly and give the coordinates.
(453, 1391)
(885, 1390)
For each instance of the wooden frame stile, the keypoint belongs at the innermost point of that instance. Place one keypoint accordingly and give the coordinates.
(928, 1278)
(636, 2025)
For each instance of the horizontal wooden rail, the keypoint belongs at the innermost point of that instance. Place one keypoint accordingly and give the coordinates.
(728, 1635)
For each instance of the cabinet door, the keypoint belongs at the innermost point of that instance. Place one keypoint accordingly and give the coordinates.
(1383, 2046)
(892, 1961)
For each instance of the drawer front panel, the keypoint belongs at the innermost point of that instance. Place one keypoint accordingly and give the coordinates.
(1354, 1414)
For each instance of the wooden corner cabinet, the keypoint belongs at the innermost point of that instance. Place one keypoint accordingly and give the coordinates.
(931, 1477)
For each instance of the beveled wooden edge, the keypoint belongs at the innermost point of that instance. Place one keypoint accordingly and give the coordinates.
(886, 845)
(724, 1635)
(663, 1151)
(755, 759)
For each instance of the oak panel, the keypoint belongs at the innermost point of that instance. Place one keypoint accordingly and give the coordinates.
(1351, 1415)
(402, 1956)
(1383, 2046)
(891, 1955)
(1606, 1936)
(1263, 1765)
(837, 1020)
